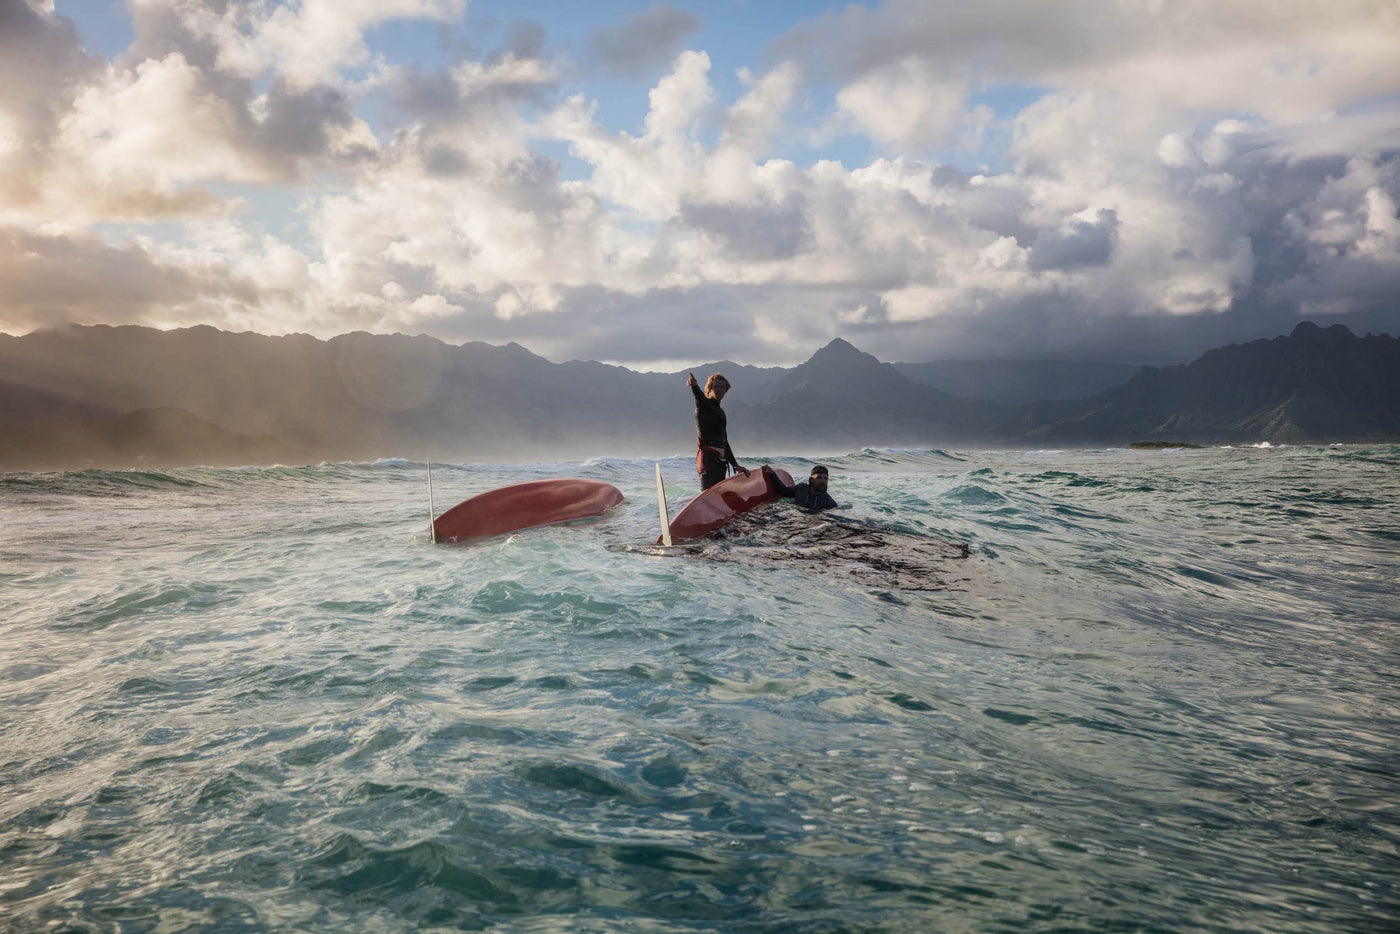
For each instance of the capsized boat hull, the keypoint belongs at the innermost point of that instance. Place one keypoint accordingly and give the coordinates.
(725, 500)
(523, 506)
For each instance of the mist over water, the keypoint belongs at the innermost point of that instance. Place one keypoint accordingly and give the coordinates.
(1155, 692)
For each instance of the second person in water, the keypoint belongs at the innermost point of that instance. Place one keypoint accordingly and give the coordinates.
(713, 457)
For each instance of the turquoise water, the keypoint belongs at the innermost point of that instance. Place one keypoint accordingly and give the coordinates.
(1159, 693)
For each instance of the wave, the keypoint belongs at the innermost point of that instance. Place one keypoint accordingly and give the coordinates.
(105, 482)
(1387, 455)
(887, 460)
(98, 482)
(971, 494)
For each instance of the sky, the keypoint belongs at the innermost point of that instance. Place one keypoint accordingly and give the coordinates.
(661, 184)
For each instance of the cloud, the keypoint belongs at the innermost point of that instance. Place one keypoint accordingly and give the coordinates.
(42, 64)
(307, 44)
(753, 233)
(643, 41)
(50, 280)
(908, 104)
(646, 174)
(472, 91)
(908, 70)
(41, 60)
(164, 123)
(139, 138)
(1349, 236)
(1082, 42)
(1077, 242)
(501, 230)
(1180, 169)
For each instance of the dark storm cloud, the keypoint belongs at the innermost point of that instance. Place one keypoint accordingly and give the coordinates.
(1270, 193)
(759, 232)
(644, 41)
(1081, 243)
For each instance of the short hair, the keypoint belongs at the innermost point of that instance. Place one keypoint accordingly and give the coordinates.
(716, 378)
(819, 469)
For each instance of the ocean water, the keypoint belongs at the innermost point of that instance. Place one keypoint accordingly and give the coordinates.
(1001, 691)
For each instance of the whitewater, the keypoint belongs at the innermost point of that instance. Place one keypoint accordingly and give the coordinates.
(1025, 691)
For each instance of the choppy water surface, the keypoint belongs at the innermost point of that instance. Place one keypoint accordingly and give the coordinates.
(1159, 693)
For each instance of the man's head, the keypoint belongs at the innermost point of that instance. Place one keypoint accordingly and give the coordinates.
(716, 386)
(817, 479)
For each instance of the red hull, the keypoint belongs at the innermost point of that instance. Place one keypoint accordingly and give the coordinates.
(723, 501)
(523, 506)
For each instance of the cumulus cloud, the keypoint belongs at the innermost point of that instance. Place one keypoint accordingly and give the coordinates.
(140, 138)
(163, 122)
(644, 40)
(644, 174)
(501, 230)
(307, 43)
(909, 104)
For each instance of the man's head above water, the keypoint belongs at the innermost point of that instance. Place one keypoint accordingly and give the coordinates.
(810, 494)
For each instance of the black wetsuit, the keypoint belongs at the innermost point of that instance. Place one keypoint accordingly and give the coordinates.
(712, 440)
(802, 494)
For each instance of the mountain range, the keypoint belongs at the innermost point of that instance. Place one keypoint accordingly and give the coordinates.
(103, 396)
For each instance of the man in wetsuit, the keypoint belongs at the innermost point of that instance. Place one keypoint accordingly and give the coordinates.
(713, 458)
(809, 495)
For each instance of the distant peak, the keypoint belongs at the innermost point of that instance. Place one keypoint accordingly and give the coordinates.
(841, 357)
(1308, 329)
(841, 351)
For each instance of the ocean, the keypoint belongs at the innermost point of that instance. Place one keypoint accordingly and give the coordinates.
(1029, 691)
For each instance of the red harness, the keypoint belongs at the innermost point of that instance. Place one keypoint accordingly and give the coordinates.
(700, 455)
